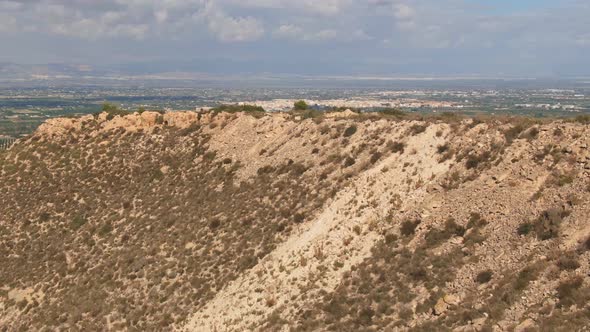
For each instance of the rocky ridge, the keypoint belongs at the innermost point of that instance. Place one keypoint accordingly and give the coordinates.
(232, 222)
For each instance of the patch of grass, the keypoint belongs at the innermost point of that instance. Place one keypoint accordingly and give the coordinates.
(106, 229)
(78, 222)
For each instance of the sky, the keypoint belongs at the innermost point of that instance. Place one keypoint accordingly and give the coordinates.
(529, 38)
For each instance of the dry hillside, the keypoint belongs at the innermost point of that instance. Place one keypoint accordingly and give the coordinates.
(292, 222)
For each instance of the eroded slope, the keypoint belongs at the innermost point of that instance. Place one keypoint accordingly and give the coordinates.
(235, 222)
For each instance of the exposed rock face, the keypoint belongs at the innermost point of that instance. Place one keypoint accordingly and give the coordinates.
(350, 222)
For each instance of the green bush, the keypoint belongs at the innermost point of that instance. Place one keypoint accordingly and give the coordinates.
(525, 229)
(253, 110)
(349, 131)
(108, 107)
(112, 111)
(300, 105)
(394, 112)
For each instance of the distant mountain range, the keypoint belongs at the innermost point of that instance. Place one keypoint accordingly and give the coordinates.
(211, 73)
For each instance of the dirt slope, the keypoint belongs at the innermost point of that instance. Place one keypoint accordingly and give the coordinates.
(234, 222)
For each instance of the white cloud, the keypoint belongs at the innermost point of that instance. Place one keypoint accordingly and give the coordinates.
(385, 27)
(235, 29)
(319, 7)
(360, 34)
(403, 12)
(227, 28)
(161, 15)
(322, 35)
(288, 31)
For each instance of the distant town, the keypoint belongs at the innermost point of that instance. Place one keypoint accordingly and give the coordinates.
(23, 109)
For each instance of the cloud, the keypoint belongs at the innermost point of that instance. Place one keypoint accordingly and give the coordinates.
(316, 7)
(322, 35)
(234, 29)
(289, 31)
(439, 30)
(10, 5)
(228, 28)
(7, 23)
(403, 12)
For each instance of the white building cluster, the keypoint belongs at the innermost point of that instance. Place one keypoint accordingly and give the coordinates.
(360, 103)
